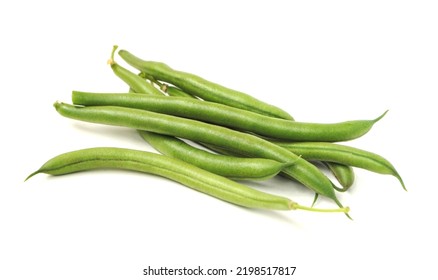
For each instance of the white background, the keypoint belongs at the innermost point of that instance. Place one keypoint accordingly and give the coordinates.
(322, 61)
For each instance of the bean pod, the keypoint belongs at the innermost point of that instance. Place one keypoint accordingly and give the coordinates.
(173, 169)
(232, 117)
(200, 87)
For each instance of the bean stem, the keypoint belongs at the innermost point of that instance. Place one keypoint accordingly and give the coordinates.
(302, 207)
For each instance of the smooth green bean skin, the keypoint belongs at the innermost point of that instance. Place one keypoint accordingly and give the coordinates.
(173, 169)
(343, 173)
(232, 117)
(301, 170)
(228, 166)
(346, 155)
(202, 88)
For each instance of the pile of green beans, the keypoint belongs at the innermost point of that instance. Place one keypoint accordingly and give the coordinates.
(243, 138)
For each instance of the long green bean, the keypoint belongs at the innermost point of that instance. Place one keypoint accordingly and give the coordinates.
(174, 169)
(198, 86)
(232, 117)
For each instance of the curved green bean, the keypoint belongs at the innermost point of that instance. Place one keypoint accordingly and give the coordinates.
(343, 173)
(173, 169)
(202, 88)
(228, 166)
(301, 170)
(232, 117)
(345, 155)
(137, 83)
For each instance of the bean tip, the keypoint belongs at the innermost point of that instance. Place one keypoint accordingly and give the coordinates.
(57, 104)
(315, 198)
(31, 175)
(401, 182)
(380, 117)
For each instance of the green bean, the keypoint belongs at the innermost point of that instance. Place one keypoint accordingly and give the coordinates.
(343, 173)
(232, 117)
(173, 169)
(303, 171)
(138, 84)
(227, 166)
(202, 88)
(345, 155)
